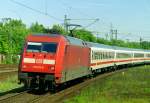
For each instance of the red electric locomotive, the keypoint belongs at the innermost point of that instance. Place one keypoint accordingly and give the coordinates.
(49, 60)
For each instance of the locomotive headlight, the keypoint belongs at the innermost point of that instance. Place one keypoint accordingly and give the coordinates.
(24, 66)
(52, 68)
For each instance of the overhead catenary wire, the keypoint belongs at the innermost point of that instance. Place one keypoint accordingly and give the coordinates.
(79, 11)
(35, 10)
(88, 18)
(84, 19)
(69, 6)
(46, 7)
(96, 20)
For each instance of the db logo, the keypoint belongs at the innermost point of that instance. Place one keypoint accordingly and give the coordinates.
(39, 61)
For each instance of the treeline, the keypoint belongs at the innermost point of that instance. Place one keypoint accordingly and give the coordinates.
(13, 33)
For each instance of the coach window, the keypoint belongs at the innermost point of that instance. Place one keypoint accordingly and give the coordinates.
(98, 55)
(109, 55)
(137, 55)
(148, 55)
(104, 55)
(95, 55)
(112, 55)
(101, 55)
(92, 55)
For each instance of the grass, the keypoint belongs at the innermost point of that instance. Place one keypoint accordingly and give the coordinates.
(9, 84)
(131, 86)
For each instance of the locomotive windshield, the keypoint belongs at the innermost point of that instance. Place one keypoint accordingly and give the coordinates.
(41, 47)
(49, 47)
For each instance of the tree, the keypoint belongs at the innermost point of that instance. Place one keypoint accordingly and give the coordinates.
(12, 33)
(57, 29)
(84, 35)
(145, 45)
(37, 28)
(103, 41)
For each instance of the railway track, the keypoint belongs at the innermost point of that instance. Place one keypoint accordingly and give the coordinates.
(7, 74)
(31, 97)
(69, 92)
(5, 68)
(7, 71)
(8, 65)
(22, 97)
(6, 97)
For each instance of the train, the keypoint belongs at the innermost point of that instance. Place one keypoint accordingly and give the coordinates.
(49, 60)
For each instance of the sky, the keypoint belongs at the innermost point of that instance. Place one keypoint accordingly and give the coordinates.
(129, 17)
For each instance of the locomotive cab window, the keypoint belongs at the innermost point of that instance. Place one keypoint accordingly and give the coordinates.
(34, 47)
(49, 47)
(41, 47)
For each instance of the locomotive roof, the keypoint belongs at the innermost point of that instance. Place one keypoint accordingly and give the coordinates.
(50, 35)
(75, 41)
(71, 40)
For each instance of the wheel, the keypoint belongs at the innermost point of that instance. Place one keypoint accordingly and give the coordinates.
(52, 87)
(42, 86)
